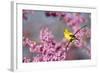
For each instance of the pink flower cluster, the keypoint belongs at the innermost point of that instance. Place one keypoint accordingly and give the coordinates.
(47, 50)
(54, 14)
(73, 19)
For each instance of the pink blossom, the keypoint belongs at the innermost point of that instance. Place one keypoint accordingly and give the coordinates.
(26, 60)
(46, 35)
(37, 59)
(72, 19)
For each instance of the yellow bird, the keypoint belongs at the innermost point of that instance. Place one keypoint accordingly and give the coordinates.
(69, 35)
